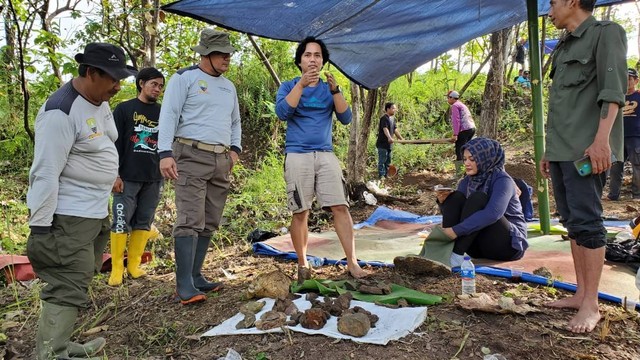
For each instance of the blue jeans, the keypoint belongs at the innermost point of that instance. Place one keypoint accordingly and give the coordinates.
(384, 160)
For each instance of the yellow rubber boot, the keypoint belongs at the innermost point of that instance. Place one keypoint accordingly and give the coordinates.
(118, 244)
(137, 242)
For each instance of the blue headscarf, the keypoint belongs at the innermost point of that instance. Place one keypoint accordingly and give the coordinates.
(489, 157)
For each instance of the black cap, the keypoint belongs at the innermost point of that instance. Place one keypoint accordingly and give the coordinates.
(108, 58)
(632, 72)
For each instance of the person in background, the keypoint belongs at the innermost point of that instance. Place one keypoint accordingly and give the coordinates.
(484, 216)
(519, 56)
(463, 126)
(524, 80)
(631, 121)
(386, 130)
(199, 143)
(136, 192)
(585, 118)
(515, 79)
(75, 165)
(307, 104)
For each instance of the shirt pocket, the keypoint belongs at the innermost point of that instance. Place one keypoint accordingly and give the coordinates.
(577, 70)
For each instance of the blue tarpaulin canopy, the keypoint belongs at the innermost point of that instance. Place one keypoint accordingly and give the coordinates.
(370, 41)
(549, 45)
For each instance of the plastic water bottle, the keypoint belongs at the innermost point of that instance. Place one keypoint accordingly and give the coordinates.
(468, 274)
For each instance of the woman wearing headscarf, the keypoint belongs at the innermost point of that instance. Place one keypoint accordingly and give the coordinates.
(484, 216)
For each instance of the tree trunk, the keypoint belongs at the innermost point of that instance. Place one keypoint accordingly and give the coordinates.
(363, 135)
(359, 136)
(492, 96)
(353, 133)
(509, 51)
(154, 36)
(409, 77)
(264, 60)
(146, 22)
(45, 21)
(23, 79)
(8, 78)
(475, 75)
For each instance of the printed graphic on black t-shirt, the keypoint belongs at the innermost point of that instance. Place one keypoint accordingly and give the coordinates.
(144, 138)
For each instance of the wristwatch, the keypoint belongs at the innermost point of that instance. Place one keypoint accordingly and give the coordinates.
(336, 91)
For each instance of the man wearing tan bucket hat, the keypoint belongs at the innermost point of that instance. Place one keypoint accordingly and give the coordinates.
(75, 164)
(198, 143)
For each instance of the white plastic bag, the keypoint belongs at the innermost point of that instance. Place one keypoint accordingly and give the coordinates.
(231, 355)
(369, 198)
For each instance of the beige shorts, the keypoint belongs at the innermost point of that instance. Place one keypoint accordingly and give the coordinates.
(314, 173)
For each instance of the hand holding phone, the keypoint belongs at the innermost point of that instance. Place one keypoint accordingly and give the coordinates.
(583, 166)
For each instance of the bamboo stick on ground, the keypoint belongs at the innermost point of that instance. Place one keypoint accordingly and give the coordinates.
(423, 141)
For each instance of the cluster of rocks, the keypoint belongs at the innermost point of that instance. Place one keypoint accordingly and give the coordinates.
(354, 321)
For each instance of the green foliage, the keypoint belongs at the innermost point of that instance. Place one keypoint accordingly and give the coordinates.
(14, 227)
(257, 91)
(258, 199)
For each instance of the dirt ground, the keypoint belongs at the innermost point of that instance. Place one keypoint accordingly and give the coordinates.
(141, 321)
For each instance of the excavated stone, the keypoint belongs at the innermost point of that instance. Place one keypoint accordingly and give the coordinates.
(314, 318)
(344, 300)
(311, 297)
(270, 320)
(417, 265)
(356, 325)
(373, 318)
(252, 307)
(248, 321)
(286, 306)
(377, 289)
(273, 285)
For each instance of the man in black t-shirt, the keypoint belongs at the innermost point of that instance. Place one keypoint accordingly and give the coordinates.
(136, 191)
(386, 130)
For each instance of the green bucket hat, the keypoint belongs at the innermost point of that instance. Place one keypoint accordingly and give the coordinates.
(212, 40)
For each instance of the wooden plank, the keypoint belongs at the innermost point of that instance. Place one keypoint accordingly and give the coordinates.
(423, 141)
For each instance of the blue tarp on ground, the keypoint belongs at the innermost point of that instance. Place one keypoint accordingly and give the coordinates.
(370, 41)
(384, 213)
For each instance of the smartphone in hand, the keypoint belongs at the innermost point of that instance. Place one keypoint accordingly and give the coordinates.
(583, 166)
(442, 188)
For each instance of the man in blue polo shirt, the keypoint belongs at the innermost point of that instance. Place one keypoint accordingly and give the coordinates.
(307, 104)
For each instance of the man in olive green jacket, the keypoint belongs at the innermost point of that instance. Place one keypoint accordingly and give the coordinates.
(589, 80)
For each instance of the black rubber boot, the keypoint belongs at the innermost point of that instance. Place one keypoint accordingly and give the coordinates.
(185, 249)
(199, 281)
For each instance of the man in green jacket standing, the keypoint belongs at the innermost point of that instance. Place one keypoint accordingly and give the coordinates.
(589, 81)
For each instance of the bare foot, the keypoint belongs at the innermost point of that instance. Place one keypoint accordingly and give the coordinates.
(357, 272)
(584, 321)
(572, 302)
